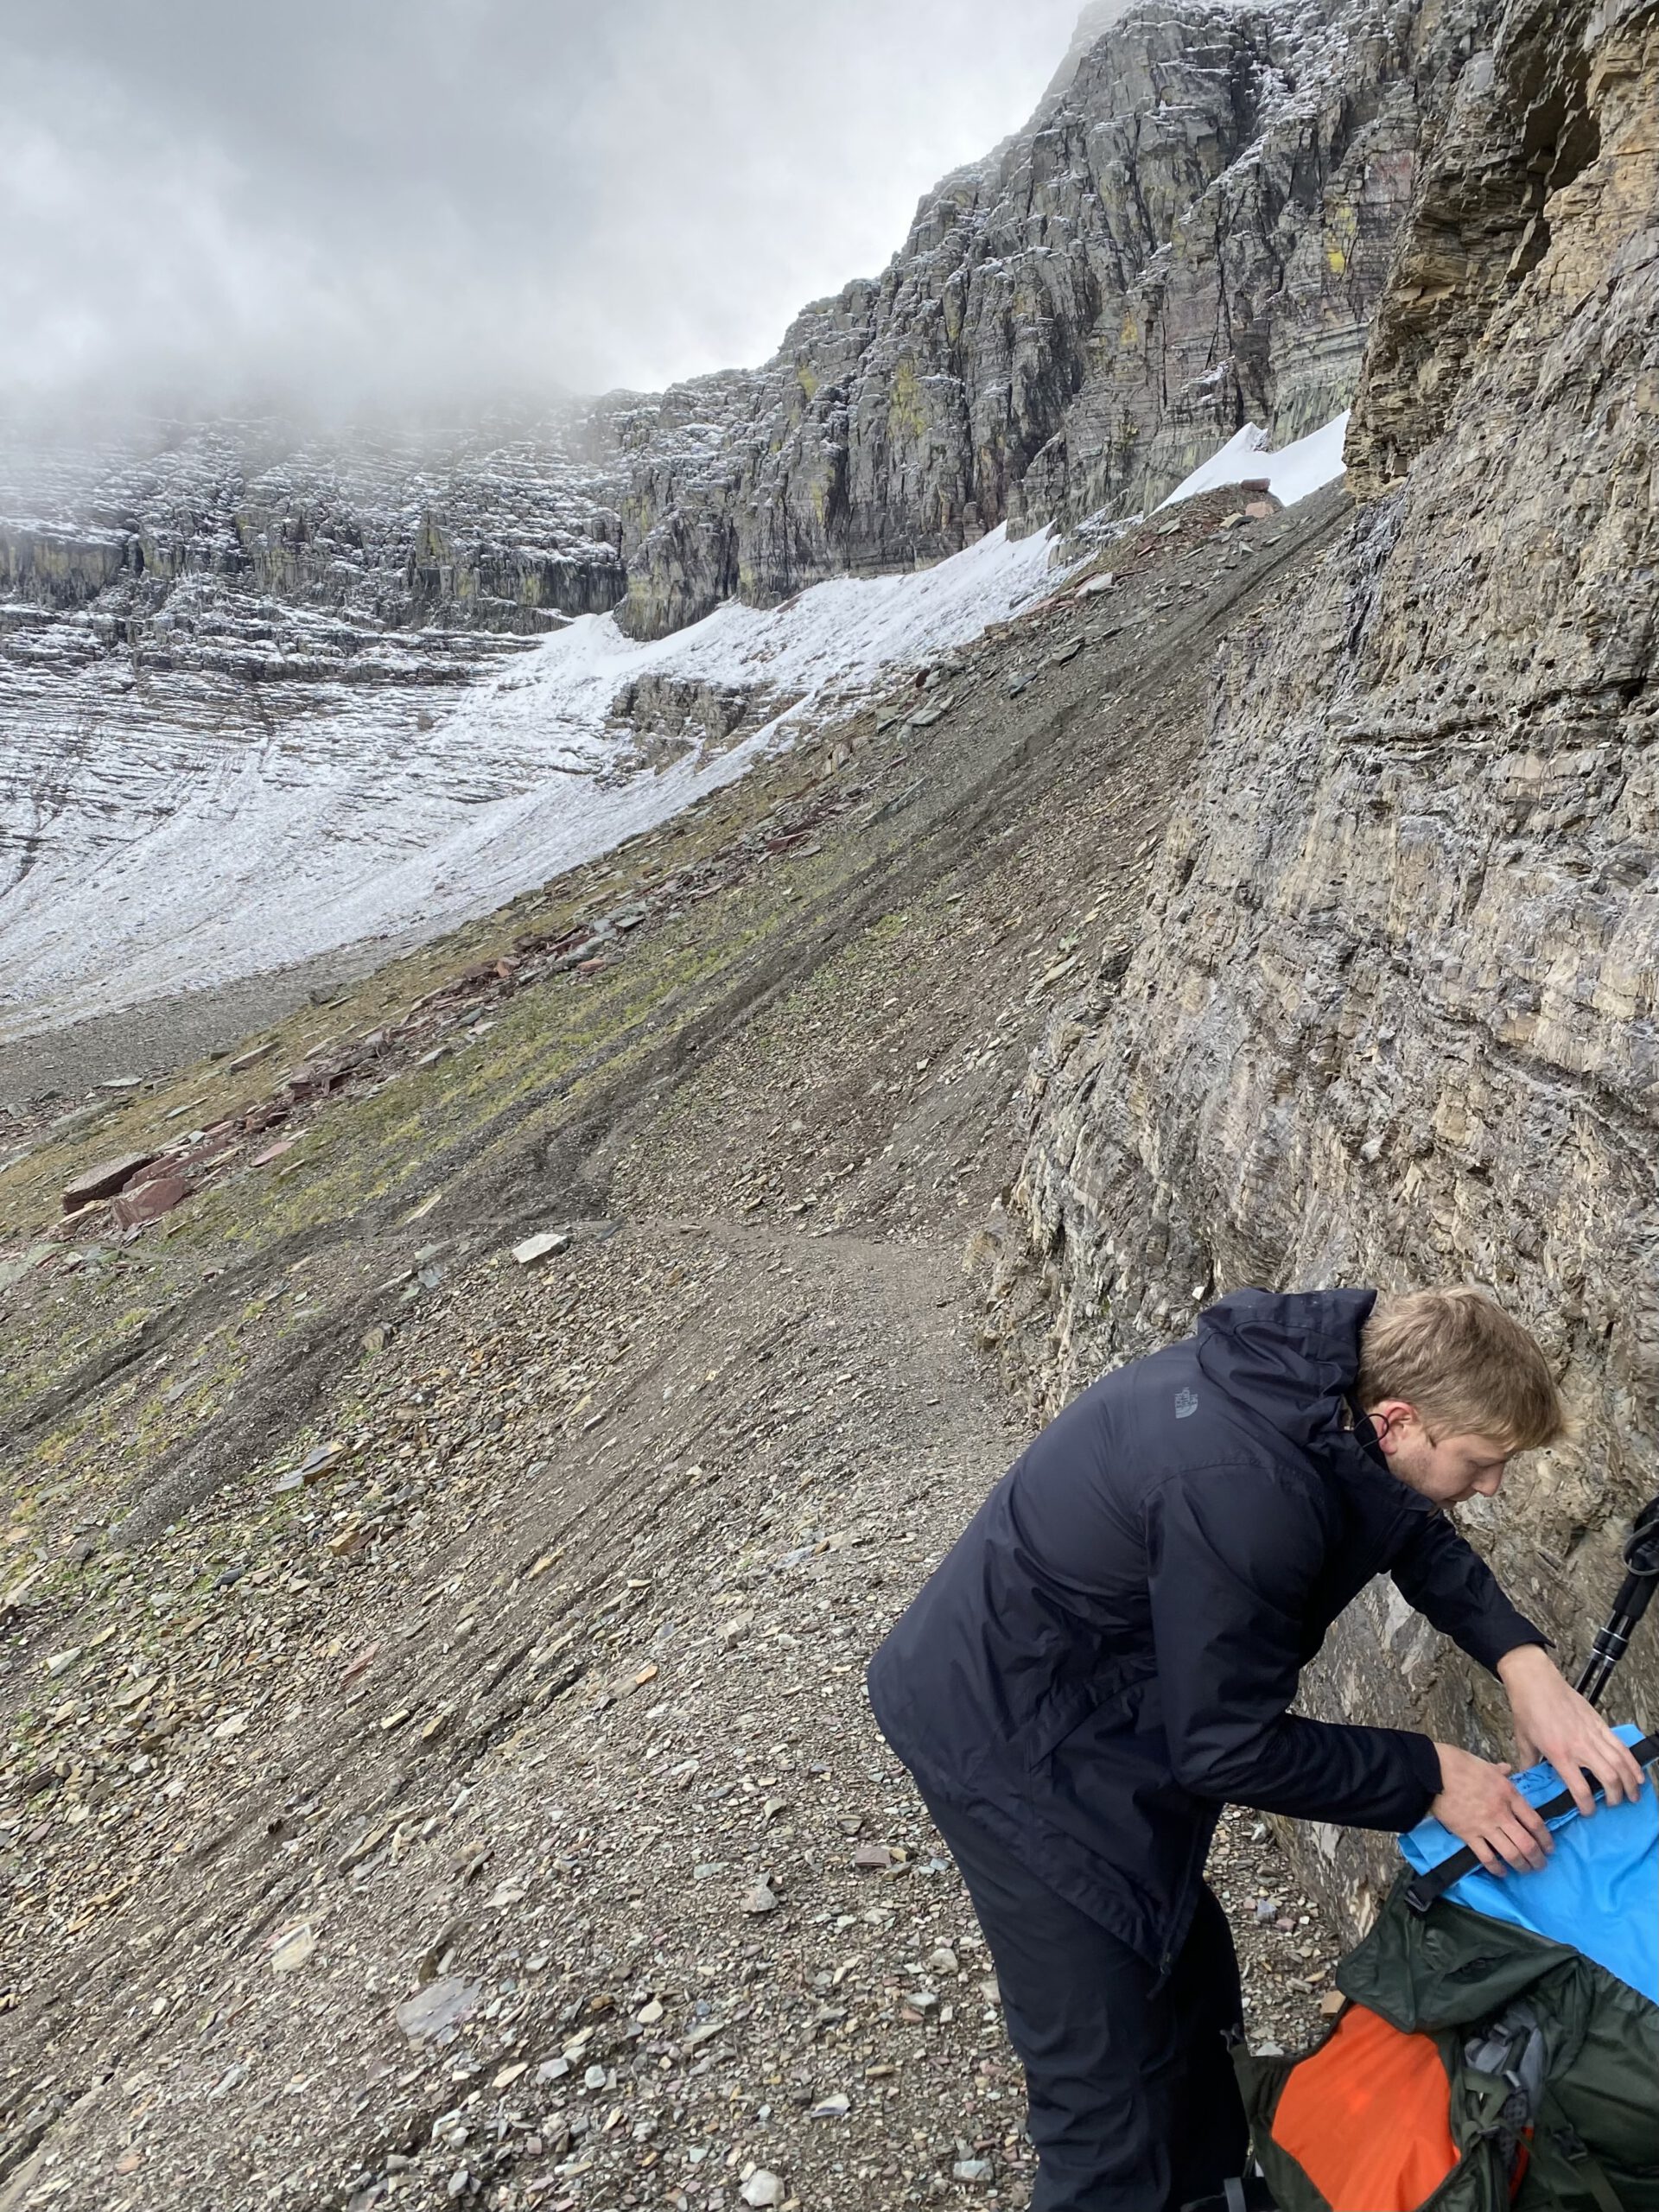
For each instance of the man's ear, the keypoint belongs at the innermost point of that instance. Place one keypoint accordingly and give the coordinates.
(1388, 1421)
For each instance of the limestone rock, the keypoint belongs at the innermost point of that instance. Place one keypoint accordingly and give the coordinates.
(544, 1246)
(1192, 231)
(435, 2011)
(1395, 1018)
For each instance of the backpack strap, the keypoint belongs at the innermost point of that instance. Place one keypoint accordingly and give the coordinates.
(1422, 1892)
(1586, 2169)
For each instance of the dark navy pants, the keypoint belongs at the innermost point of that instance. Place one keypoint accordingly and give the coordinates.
(1134, 2104)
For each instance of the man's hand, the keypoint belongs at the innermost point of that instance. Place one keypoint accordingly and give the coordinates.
(1553, 1722)
(1482, 1808)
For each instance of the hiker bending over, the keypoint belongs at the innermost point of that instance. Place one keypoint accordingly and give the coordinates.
(1109, 1653)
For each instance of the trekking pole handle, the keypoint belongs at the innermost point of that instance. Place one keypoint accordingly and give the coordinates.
(1423, 1891)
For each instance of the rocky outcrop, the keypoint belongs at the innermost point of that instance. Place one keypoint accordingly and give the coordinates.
(1192, 231)
(1395, 1017)
(249, 549)
(665, 716)
(60, 569)
(1479, 224)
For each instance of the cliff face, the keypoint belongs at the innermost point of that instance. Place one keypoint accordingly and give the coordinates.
(1192, 232)
(249, 549)
(1394, 1016)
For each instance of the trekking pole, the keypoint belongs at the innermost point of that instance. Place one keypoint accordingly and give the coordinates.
(1641, 1578)
(1641, 1557)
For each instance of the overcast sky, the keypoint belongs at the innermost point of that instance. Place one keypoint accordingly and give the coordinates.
(429, 199)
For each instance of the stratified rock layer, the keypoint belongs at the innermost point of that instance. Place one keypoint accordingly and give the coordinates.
(176, 537)
(1192, 232)
(1393, 1015)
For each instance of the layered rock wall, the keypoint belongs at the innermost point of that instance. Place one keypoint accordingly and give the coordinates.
(253, 549)
(1192, 232)
(1395, 1017)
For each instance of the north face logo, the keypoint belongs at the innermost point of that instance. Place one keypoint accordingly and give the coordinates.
(1186, 1403)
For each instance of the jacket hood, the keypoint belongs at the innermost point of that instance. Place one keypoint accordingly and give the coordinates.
(1291, 1358)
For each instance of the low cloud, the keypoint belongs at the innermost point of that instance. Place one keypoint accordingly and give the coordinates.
(439, 202)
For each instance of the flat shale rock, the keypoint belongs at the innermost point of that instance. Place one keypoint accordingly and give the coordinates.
(104, 1180)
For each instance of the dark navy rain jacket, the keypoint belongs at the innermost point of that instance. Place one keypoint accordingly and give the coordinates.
(1108, 1653)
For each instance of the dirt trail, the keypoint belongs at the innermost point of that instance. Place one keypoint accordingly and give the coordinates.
(440, 1769)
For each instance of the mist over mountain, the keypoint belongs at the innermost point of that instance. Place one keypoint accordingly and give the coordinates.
(432, 208)
(609, 992)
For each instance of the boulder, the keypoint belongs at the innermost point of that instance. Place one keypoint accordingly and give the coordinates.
(149, 1201)
(104, 1180)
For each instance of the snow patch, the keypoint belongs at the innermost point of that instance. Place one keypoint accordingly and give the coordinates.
(1292, 473)
(226, 834)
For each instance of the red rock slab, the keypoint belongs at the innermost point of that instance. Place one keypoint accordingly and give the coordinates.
(364, 1661)
(104, 1180)
(150, 1201)
(165, 1163)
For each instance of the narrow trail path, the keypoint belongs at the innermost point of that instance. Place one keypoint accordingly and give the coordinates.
(566, 1859)
(468, 1795)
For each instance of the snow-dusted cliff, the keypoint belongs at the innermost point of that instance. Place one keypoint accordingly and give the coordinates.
(259, 690)
(1192, 232)
(196, 828)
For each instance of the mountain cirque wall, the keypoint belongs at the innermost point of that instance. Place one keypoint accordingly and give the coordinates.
(1393, 1018)
(257, 547)
(1193, 231)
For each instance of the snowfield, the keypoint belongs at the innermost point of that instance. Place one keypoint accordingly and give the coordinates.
(1293, 473)
(170, 828)
(173, 831)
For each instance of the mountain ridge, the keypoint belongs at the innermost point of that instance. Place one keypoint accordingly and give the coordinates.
(898, 419)
(1059, 336)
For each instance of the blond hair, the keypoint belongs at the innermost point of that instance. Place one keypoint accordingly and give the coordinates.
(1467, 1368)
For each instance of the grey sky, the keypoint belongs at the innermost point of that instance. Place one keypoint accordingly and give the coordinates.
(430, 199)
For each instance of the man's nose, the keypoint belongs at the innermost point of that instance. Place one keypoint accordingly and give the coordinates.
(1487, 1484)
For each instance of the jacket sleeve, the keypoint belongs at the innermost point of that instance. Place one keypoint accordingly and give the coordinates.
(1234, 1553)
(1451, 1586)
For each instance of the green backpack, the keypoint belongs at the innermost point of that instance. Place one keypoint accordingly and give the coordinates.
(1470, 2070)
